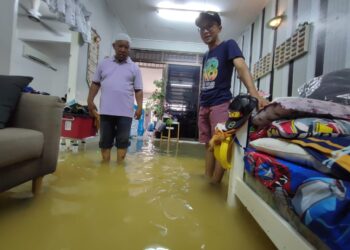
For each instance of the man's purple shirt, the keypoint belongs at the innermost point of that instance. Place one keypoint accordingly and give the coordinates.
(118, 84)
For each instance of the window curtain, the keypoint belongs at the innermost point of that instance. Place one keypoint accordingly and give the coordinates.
(73, 13)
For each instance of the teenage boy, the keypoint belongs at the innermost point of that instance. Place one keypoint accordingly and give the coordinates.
(218, 64)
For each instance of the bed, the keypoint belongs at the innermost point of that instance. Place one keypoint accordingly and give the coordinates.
(325, 98)
(281, 233)
(298, 206)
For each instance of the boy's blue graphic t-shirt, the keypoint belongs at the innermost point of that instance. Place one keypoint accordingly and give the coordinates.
(217, 73)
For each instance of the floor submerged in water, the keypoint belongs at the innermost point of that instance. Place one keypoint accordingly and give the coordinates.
(159, 199)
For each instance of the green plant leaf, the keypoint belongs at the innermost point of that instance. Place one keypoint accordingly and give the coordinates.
(156, 100)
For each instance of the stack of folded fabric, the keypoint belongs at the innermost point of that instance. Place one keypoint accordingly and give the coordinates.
(77, 109)
(301, 151)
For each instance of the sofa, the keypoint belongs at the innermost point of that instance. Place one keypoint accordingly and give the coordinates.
(29, 144)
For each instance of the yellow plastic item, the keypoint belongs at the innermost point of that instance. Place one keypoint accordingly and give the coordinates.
(223, 152)
(234, 114)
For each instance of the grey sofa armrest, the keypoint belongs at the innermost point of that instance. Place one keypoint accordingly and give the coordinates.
(42, 113)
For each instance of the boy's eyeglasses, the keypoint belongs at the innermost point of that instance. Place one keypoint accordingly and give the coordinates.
(209, 27)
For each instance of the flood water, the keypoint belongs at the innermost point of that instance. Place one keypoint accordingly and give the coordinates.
(159, 199)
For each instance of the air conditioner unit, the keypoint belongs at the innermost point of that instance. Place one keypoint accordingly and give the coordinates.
(37, 56)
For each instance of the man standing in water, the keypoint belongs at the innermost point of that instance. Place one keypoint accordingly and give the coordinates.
(218, 64)
(119, 79)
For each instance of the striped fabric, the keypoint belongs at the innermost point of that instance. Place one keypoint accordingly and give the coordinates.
(333, 152)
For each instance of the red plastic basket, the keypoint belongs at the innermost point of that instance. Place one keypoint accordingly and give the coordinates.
(77, 127)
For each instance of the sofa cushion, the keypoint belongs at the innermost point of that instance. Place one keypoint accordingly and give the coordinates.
(10, 91)
(18, 144)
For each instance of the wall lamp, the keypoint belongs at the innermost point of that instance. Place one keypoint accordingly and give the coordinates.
(275, 22)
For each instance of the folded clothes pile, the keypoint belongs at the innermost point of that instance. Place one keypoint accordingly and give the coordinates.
(76, 109)
(33, 91)
(301, 153)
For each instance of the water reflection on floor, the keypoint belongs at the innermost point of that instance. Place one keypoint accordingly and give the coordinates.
(158, 200)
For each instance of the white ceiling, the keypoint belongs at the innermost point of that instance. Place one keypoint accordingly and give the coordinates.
(141, 21)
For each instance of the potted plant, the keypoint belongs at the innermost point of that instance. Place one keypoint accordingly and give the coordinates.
(156, 101)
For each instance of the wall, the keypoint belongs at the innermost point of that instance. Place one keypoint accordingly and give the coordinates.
(32, 31)
(107, 26)
(329, 45)
(149, 75)
(45, 79)
(8, 22)
(55, 47)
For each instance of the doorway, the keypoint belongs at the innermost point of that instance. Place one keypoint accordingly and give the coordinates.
(181, 95)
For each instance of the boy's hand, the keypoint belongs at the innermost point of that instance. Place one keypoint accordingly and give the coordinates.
(262, 102)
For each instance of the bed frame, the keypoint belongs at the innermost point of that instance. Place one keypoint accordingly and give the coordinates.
(281, 233)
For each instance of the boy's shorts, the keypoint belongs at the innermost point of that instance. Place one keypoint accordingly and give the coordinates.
(114, 130)
(208, 118)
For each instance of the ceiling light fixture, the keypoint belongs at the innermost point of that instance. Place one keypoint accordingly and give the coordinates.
(181, 85)
(275, 22)
(178, 15)
(182, 12)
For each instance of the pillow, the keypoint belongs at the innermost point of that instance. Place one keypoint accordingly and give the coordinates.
(333, 86)
(10, 92)
(309, 87)
(296, 107)
(287, 151)
(305, 127)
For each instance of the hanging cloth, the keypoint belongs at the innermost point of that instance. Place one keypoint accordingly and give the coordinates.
(73, 13)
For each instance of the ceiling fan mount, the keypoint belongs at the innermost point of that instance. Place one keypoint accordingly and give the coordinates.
(34, 14)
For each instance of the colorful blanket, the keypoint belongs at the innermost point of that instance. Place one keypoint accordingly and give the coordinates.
(305, 127)
(332, 152)
(322, 203)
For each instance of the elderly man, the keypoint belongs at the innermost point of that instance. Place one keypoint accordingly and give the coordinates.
(118, 78)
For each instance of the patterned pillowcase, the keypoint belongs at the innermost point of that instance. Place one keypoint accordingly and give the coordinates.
(333, 86)
(305, 127)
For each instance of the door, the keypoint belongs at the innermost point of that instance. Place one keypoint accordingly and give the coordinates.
(181, 95)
